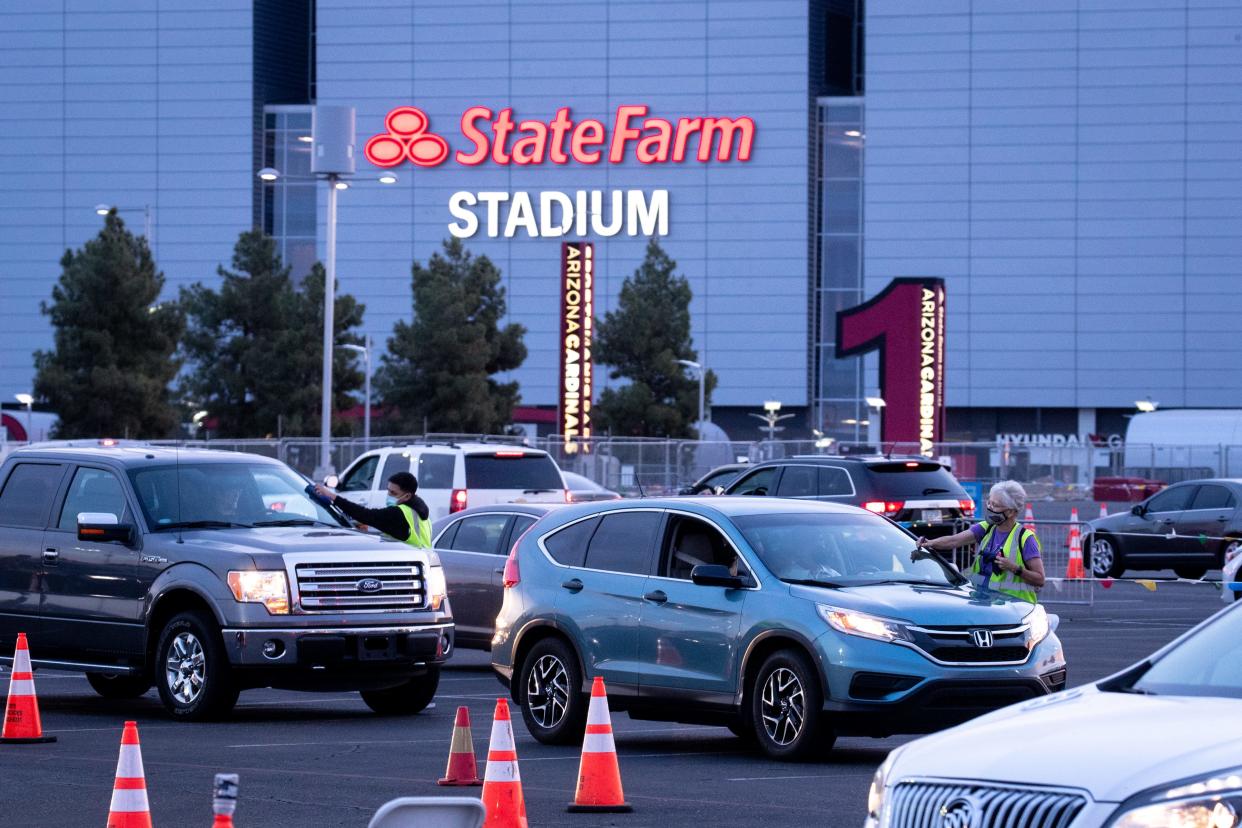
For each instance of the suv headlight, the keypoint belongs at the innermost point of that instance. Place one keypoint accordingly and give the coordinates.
(1038, 619)
(266, 587)
(862, 624)
(1209, 802)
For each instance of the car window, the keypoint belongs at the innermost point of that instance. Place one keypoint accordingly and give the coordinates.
(92, 490)
(689, 542)
(1212, 497)
(360, 477)
(568, 546)
(435, 470)
(395, 462)
(622, 543)
(520, 524)
(912, 479)
(224, 493)
(28, 494)
(1208, 663)
(798, 481)
(1172, 499)
(758, 482)
(722, 478)
(480, 533)
(444, 536)
(834, 482)
(512, 470)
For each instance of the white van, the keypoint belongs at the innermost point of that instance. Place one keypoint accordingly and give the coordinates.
(454, 476)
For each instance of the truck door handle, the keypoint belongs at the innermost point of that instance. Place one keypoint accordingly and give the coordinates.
(573, 585)
(51, 556)
(657, 597)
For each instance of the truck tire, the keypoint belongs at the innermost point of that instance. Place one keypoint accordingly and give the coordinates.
(191, 669)
(118, 685)
(404, 699)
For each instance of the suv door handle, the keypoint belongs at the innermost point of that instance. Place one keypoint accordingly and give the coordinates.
(657, 597)
(51, 556)
(573, 585)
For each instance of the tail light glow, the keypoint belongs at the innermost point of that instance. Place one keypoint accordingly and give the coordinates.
(968, 505)
(457, 501)
(884, 507)
(513, 573)
(510, 453)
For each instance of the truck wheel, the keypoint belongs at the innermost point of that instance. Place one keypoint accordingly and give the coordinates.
(787, 708)
(118, 685)
(550, 693)
(404, 699)
(192, 670)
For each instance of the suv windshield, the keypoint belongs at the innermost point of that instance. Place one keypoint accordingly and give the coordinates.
(210, 495)
(1209, 663)
(840, 550)
(512, 470)
(910, 480)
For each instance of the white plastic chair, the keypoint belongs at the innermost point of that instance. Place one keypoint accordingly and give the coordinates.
(430, 812)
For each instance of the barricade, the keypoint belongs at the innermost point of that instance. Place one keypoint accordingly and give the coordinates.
(1054, 540)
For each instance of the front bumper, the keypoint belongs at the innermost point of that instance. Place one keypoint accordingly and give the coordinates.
(340, 649)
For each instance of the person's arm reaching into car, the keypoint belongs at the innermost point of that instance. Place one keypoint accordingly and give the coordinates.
(949, 541)
(388, 520)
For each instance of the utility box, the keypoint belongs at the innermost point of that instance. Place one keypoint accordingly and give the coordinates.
(332, 128)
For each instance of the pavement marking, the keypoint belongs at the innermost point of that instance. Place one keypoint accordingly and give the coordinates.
(282, 702)
(766, 778)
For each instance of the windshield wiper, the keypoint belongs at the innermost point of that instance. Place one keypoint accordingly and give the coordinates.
(538, 491)
(935, 491)
(813, 582)
(200, 524)
(1137, 691)
(292, 522)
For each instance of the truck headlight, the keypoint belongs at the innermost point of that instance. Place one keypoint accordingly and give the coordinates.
(266, 587)
(437, 587)
(861, 624)
(1211, 802)
(1038, 619)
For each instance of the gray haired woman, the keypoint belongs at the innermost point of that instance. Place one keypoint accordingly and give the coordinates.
(1010, 556)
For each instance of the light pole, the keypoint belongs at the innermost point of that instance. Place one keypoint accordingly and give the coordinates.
(701, 371)
(874, 434)
(365, 350)
(104, 209)
(771, 417)
(28, 401)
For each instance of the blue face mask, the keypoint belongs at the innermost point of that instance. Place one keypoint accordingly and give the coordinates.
(390, 501)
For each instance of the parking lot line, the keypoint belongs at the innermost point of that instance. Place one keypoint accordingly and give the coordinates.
(767, 778)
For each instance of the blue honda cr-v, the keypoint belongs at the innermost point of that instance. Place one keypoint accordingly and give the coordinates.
(789, 621)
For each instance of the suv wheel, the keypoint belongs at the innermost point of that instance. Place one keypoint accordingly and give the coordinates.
(550, 694)
(787, 708)
(192, 670)
(405, 699)
(118, 685)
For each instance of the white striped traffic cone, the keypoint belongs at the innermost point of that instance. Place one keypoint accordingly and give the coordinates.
(502, 784)
(1029, 517)
(599, 775)
(129, 795)
(21, 716)
(1103, 510)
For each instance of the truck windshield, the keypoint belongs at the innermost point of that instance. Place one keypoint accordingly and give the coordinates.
(220, 495)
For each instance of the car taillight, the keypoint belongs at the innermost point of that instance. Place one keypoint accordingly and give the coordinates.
(884, 507)
(968, 506)
(569, 496)
(513, 575)
(457, 501)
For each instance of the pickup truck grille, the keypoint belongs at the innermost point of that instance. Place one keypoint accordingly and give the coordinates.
(339, 587)
(929, 805)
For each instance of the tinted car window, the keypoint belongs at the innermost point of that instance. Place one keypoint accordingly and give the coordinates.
(569, 545)
(911, 479)
(1209, 663)
(756, 483)
(28, 493)
(358, 479)
(504, 470)
(1172, 499)
(834, 482)
(1212, 497)
(520, 524)
(622, 543)
(722, 478)
(798, 481)
(689, 543)
(481, 533)
(393, 463)
(92, 490)
(435, 470)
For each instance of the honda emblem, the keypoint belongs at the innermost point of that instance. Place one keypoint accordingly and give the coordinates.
(982, 638)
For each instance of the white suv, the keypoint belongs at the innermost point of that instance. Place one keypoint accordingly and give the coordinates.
(453, 476)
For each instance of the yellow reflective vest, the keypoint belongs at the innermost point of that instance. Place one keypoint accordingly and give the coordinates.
(1008, 582)
(420, 530)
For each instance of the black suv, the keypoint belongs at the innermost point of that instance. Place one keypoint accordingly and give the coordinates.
(914, 491)
(205, 573)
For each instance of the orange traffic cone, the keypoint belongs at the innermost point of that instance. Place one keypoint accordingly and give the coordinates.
(1074, 569)
(1029, 517)
(21, 716)
(502, 784)
(1103, 510)
(461, 768)
(129, 794)
(224, 802)
(599, 775)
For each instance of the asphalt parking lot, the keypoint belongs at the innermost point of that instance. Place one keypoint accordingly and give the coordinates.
(310, 759)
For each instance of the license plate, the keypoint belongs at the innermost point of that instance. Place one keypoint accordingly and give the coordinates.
(932, 515)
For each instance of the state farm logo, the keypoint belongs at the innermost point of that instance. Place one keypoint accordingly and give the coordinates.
(498, 138)
(407, 138)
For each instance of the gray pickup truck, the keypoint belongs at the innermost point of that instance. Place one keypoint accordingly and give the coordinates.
(207, 573)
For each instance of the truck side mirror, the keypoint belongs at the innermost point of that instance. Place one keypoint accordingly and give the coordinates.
(331, 481)
(103, 527)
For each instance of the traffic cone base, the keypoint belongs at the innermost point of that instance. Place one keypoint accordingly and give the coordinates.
(462, 769)
(21, 715)
(599, 774)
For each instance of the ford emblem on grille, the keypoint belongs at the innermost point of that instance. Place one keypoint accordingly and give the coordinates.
(960, 812)
(982, 638)
(370, 585)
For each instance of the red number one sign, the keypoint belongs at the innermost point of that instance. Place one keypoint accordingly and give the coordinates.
(905, 323)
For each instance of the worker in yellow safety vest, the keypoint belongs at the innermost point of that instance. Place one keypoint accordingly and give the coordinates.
(405, 518)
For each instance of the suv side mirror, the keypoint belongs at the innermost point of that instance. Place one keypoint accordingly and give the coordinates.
(716, 575)
(1138, 509)
(103, 527)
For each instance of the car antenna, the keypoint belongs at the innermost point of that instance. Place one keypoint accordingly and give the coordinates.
(641, 493)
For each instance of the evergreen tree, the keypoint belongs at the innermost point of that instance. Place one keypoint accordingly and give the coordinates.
(113, 360)
(255, 345)
(641, 341)
(440, 366)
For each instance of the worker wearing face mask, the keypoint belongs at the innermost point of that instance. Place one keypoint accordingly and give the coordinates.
(1008, 559)
(406, 517)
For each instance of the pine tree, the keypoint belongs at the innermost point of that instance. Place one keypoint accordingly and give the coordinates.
(113, 357)
(641, 341)
(440, 366)
(255, 345)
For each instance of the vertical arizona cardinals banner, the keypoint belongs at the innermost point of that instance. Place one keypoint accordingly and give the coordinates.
(577, 330)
